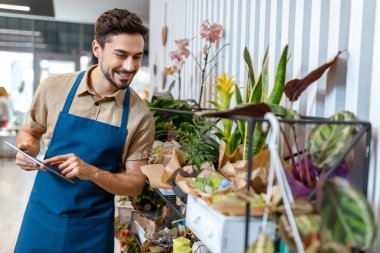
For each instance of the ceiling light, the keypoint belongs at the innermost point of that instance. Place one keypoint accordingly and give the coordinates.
(20, 32)
(14, 7)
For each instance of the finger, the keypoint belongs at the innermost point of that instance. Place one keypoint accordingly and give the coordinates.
(22, 161)
(66, 163)
(56, 164)
(58, 158)
(23, 146)
(27, 149)
(72, 174)
(63, 165)
(67, 169)
(29, 167)
(25, 164)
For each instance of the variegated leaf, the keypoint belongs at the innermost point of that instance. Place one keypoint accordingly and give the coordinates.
(347, 217)
(327, 142)
(308, 227)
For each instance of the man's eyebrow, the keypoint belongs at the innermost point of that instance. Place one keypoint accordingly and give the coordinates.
(125, 52)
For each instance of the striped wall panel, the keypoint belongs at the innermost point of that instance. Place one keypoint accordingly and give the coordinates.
(314, 30)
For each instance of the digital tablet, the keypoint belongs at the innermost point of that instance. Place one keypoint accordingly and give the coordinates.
(39, 163)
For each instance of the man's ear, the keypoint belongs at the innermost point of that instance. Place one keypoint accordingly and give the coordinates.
(96, 48)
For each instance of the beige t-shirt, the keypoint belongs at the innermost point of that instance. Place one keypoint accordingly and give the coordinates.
(50, 98)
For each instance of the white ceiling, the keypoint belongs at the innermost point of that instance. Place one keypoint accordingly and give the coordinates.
(87, 11)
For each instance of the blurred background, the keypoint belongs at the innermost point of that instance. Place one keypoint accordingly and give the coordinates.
(53, 37)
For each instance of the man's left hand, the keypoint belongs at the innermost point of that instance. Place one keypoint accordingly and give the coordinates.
(72, 166)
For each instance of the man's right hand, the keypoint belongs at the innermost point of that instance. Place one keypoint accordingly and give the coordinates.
(23, 162)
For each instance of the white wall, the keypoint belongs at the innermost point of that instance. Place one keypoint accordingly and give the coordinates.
(315, 32)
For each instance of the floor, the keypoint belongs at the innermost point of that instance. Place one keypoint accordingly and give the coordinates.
(15, 187)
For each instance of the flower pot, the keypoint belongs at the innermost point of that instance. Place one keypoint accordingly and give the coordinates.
(125, 212)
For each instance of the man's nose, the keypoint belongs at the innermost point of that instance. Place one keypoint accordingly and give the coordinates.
(128, 64)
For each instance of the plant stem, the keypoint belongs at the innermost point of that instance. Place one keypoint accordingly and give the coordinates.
(195, 59)
(204, 72)
(210, 70)
(179, 84)
(218, 52)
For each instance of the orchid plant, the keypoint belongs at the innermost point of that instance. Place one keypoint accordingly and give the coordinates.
(178, 57)
(211, 33)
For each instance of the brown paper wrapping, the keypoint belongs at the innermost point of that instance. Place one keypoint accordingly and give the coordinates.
(236, 205)
(154, 173)
(186, 185)
(159, 174)
(235, 169)
(176, 162)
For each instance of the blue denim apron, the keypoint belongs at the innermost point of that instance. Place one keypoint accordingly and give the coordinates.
(65, 217)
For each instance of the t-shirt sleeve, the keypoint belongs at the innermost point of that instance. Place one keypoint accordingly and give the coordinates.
(142, 139)
(36, 120)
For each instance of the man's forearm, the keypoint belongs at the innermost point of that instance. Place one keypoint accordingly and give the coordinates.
(128, 183)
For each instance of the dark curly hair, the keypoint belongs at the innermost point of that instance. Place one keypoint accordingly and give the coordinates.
(117, 21)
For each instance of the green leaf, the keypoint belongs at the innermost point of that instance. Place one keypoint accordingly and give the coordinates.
(256, 95)
(327, 142)
(258, 92)
(218, 106)
(284, 112)
(234, 141)
(171, 86)
(259, 137)
(264, 96)
(238, 97)
(308, 224)
(347, 217)
(239, 101)
(251, 80)
(279, 84)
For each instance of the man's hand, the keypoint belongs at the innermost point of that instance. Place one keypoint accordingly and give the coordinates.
(22, 161)
(72, 166)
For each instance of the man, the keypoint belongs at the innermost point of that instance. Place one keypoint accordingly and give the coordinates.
(89, 122)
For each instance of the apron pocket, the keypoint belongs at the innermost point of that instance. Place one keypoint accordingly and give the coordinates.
(89, 235)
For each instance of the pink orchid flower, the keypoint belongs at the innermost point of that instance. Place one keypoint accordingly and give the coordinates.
(174, 55)
(185, 52)
(205, 49)
(212, 33)
(182, 43)
(178, 65)
(216, 32)
(205, 31)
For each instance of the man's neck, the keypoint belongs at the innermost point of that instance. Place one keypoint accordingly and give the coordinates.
(99, 84)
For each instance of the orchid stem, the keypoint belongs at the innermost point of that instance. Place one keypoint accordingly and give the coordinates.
(219, 52)
(179, 84)
(203, 74)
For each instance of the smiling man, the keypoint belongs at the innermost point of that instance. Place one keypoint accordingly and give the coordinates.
(95, 129)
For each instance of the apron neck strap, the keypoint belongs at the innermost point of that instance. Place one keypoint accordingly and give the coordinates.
(124, 120)
(70, 97)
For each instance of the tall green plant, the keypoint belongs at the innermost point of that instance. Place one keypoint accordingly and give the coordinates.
(257, 92)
